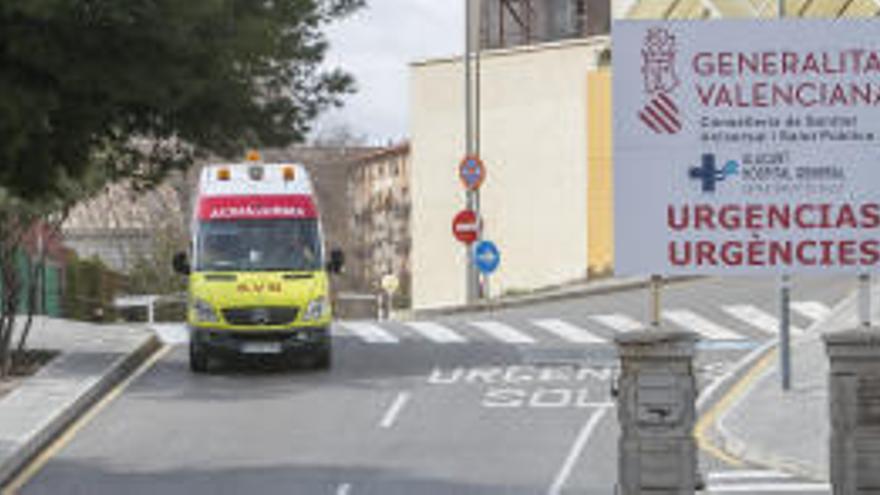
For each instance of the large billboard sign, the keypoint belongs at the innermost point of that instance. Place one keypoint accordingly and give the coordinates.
(746, 146)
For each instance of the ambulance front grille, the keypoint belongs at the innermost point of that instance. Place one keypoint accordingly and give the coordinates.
(260, 316)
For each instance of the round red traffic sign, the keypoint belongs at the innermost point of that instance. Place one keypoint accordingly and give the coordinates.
(472, 172)
(466, 227)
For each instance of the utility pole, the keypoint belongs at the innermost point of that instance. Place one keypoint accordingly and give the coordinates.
(472, 130)
(784, 297)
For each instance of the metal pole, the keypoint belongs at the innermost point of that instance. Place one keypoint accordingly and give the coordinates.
(784, 297)
(785, 332)
(471, 280)
(482, 282)
(865, 300)
(151, 310)
(656, 289)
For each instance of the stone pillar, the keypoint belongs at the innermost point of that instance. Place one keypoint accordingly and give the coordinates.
(854, 402)
(656, 406)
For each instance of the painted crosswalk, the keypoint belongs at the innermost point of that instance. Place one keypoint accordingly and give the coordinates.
(569, 332)
(700, 325)
(749, 481)
(619, 322)
(811, 309)
(742, 323)
(370, 332)
(757, 318)
(504, 332)
(437, 332)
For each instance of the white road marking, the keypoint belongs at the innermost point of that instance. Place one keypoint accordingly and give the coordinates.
(700, 325)
(568, 331)
(746, 475)
(770, 487)
(757, 318)
(811, 309)
(503, 332)
(344, 489)
(394, 411)
(371, 333)
(618, 322)
(579, 444)
(171, 333)
(436, 332)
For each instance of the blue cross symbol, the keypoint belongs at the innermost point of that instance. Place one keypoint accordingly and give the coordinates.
(710, 175)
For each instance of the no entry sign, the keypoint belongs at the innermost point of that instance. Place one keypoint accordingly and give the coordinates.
(746, 147)
(466, 226)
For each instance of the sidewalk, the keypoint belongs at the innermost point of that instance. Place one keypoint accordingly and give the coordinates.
(788, 431)
(567, 291)
(92, 360)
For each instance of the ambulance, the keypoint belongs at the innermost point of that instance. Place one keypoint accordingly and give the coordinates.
(258, 274)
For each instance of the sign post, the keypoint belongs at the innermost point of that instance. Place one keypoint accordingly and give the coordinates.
(784, 298)
(471, 60)
(390, 284)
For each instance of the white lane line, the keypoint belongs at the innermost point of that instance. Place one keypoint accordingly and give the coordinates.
(503, 332)
(344, 489)
(770, 487)
(568, 331)
(618, 322)
(747, 475)
(757, 318)
(700, 325)
(576, 449)
(394, 411)
(436, 332)
(813, 310)
(371, 333)
(171, 333)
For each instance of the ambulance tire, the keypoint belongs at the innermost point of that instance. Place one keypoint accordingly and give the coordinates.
(323, 359)
(198, 358)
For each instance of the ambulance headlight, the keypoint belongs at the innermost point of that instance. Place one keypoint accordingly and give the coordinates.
(204, 312)
(316, 309)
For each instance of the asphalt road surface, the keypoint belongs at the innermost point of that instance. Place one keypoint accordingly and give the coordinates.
(507, 402)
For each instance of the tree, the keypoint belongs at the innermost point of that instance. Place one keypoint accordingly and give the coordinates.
(142, 87)
(97, 91)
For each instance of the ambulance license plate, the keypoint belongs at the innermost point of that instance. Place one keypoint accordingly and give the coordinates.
(261, 348)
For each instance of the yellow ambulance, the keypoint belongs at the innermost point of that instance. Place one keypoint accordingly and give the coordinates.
(258, 273)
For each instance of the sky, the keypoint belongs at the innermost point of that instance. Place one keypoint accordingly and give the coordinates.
(376, 45)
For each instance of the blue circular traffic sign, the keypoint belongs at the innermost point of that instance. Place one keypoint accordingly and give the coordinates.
(472, 172)
(487, 257)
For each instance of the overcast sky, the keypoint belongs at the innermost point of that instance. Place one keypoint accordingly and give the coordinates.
(376, 45)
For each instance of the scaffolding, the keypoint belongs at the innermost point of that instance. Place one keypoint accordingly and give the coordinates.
(507, 23)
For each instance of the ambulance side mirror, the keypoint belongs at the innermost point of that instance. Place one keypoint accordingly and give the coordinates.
(337, 261)
(180, 263)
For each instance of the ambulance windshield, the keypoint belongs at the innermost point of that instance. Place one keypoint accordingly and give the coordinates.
(259, 245)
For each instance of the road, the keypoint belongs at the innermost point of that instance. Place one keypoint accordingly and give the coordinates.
(509, 402)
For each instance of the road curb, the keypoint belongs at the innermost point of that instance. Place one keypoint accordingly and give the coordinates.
(755, 454)
(115, 374)
(746, 452)
(550, 296)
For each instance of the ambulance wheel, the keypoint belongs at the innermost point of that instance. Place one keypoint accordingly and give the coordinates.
(323, 359)
(198, 358)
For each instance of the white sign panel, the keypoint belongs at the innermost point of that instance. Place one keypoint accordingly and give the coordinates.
(746, 146)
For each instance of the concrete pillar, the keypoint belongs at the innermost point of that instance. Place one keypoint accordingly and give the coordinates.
(854, 402)
(656, 407)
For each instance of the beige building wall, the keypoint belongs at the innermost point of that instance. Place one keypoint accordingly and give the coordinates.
(534, 143)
